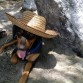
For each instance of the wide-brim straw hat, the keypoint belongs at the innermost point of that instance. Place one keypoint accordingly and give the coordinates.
(32, 23)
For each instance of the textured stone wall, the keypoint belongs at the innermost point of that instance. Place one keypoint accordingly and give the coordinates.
(58, 18)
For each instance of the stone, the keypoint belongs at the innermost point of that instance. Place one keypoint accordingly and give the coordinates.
(66, 18)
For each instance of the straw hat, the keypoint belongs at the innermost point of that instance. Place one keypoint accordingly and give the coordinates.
(32, 23)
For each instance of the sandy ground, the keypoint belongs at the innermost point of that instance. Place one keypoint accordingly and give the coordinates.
(55, 64)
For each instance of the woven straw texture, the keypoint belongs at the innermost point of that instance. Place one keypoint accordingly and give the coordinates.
(32, 23)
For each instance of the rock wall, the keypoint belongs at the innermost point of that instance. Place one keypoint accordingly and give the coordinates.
(63, 16)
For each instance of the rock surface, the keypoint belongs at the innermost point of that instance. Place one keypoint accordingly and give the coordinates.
(56, 64)
(65, 17)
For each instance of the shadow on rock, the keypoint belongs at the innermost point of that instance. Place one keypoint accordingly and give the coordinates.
(46, 60)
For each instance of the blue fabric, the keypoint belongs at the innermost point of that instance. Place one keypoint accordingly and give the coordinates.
(34, 49)
(36, 46)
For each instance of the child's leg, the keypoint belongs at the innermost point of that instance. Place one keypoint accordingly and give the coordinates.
(28, 67)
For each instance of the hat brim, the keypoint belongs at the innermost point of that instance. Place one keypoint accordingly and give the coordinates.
(22, 25)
